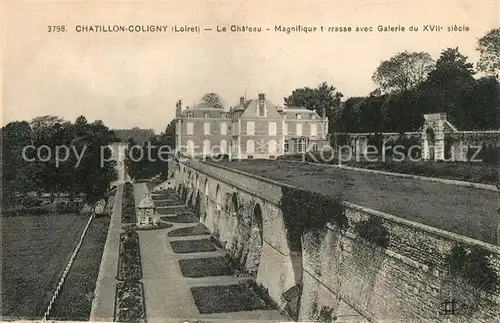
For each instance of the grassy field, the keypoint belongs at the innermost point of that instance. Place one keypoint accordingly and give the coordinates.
(75, 299)
(35, 251)
(462, 210)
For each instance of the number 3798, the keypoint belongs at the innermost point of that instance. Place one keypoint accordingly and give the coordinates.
(56, 28)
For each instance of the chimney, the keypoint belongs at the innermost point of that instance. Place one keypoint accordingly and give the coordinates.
(242, 100)
(262, 97)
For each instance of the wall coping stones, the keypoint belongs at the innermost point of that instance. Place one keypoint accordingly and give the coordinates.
(422, 227)
(489, 187)
(389, 217)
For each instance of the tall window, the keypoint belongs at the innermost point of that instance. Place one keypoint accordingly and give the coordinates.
(223, 146)
(272, 128)
(287, 146)
(206, 147)
(285, 128)
(206, 128)
(301, 145)
(250, 128)
(314, 130)
(299, 129)
(272, 147)
(250, 146)
(223, 128)
(190, 147)
(189, 128)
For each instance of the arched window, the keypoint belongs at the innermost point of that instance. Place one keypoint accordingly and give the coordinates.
(272, 147)
(314, 146)
(262, 109)
(250, 146)
(301, 145)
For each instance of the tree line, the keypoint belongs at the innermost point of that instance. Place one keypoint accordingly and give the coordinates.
(411, 84)
(50, 170)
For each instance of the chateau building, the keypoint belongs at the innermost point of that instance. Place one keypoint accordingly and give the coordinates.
(254, 128)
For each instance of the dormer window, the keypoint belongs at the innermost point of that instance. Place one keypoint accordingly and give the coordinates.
(261, 110)
(190, 114)
(299, 116)
(313, 116)
(207, 114)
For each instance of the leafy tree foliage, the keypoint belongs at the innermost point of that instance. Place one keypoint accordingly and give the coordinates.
(489, 49)
(155, 152)
(140, 135)
(212, 100)
(471, 104)
(403, 71)
(323, 99)
(41, 172)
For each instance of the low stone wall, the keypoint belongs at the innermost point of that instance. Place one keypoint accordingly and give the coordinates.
(382, 266)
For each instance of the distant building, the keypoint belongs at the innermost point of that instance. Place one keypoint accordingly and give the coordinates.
(255, 128)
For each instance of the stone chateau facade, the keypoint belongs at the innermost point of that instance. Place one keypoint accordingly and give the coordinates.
(254, 128)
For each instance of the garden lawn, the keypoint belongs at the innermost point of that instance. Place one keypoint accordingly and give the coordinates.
(35, 251)
(188, 246)
(75, 299)
(204, 267)
(181, 218)
(463, 210)
(196, 230)
(172, 210)
(226, 299)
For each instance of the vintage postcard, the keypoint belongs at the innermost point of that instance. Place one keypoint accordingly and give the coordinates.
(233, 161)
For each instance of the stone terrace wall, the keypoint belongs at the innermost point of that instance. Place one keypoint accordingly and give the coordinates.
(278, 265)
(409, 279)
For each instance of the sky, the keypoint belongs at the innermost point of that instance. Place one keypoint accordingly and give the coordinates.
(134, 79)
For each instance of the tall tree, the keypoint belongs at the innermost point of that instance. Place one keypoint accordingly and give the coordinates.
(448, 86)
(323, 98)
(489, 49)
(403, 71)
(212, 100)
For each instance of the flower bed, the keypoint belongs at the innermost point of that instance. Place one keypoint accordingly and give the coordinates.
(189, 246)
(129, 259)
(185, 217)
(196, 230)
(246, 296)
(128, 204)
(129, 302)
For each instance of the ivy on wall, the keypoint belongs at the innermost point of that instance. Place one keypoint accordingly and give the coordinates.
(472, 263)
(324, 315)
(305, 211)
(373, 230)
